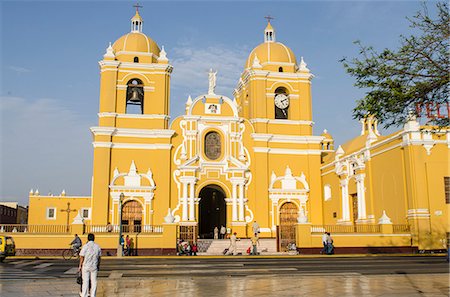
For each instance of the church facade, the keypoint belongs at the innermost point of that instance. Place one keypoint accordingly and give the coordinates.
(253, 157)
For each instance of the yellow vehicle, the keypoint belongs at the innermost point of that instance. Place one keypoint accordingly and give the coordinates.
(7, 247)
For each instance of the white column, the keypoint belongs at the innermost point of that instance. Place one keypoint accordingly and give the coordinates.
(191, 202)
(345, 201)
(234, 203)
(361, 196)
(185, 202)
(241, 202)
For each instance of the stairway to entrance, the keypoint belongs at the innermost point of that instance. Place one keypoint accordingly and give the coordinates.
(217, 246)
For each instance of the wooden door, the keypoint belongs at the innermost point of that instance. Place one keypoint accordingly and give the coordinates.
(132, 214)
(288, 221)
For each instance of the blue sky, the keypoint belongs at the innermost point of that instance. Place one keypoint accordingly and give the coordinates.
(50, 76)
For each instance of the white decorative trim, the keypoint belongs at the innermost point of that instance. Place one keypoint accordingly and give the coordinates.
(384, 219)
(286, 151)
(47, 213)
(143, 116)
(107, 131)
(105, 63)
(82, 212)
(279, 138)
(155, 146)
(420, 213)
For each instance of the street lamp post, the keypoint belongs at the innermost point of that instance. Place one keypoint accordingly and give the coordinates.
(120, 247)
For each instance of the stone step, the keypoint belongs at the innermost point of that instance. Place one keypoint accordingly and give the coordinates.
(219, 245)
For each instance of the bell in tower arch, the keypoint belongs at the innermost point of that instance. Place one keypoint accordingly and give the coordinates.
(135, 96)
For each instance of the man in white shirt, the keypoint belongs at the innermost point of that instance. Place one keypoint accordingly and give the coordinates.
(233, 248)
(89, 264)
(255, 228)
(223, 230)
(324, 242)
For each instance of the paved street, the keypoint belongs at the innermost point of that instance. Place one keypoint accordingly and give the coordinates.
(235, 276)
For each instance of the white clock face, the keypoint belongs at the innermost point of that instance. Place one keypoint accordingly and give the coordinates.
(281, 101)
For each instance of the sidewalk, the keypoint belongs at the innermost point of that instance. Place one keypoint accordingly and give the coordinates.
(348, 285)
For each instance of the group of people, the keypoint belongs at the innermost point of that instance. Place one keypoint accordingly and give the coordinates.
(327, 242)
(127, 245)
(220, 233)
(185, 248)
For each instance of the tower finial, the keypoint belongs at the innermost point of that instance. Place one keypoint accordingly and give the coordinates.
(136, 21)
(269, 32)
(268, 18)
(137, 6)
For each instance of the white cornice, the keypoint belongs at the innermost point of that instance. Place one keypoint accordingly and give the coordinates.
(145, 65)
(107, 63)
(108, 131)
(134, 116)
(286, 138)
(212, 118)
(126, 132)
(136, 54)
(156, 146)
(283, 122)
(282, 151)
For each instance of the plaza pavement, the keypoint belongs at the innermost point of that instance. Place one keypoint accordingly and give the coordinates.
(410, 285)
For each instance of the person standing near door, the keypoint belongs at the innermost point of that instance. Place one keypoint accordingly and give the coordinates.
(223, 230)
(216, 233)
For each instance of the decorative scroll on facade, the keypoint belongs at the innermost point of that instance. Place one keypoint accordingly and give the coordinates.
(213, 146)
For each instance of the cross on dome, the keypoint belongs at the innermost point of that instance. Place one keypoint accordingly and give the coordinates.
(137, 6)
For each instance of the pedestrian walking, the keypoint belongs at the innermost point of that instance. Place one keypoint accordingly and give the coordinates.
(255, 243)
(324, 242)
(223, 230)
(233, 247)
(90, 256)
(330, 247)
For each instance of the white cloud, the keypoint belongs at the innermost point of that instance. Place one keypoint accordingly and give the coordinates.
(43, 145)
(19, 70)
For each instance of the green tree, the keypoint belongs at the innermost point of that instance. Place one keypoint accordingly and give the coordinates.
(415, 75)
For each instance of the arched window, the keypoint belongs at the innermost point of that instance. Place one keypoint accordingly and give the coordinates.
(212, 145)
(135, 97)
(136, 60)
(280, 69)
(281, 101)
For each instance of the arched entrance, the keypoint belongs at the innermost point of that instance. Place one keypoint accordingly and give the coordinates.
(288, 221)
(132, 216)
(212, 210)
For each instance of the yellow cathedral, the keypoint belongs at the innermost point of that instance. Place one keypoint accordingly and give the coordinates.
(235, 161)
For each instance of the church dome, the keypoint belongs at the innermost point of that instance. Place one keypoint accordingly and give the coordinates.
(136, 46)
(136, 42)
(272, 55)
(273, 52)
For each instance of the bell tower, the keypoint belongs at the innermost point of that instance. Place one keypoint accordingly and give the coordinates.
(133, 118)
(274, 91)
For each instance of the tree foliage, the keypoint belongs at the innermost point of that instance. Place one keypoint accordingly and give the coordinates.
(408, 80)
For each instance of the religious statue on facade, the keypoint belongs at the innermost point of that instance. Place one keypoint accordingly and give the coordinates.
(212, 81)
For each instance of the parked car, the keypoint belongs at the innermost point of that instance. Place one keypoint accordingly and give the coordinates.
(7, 247)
